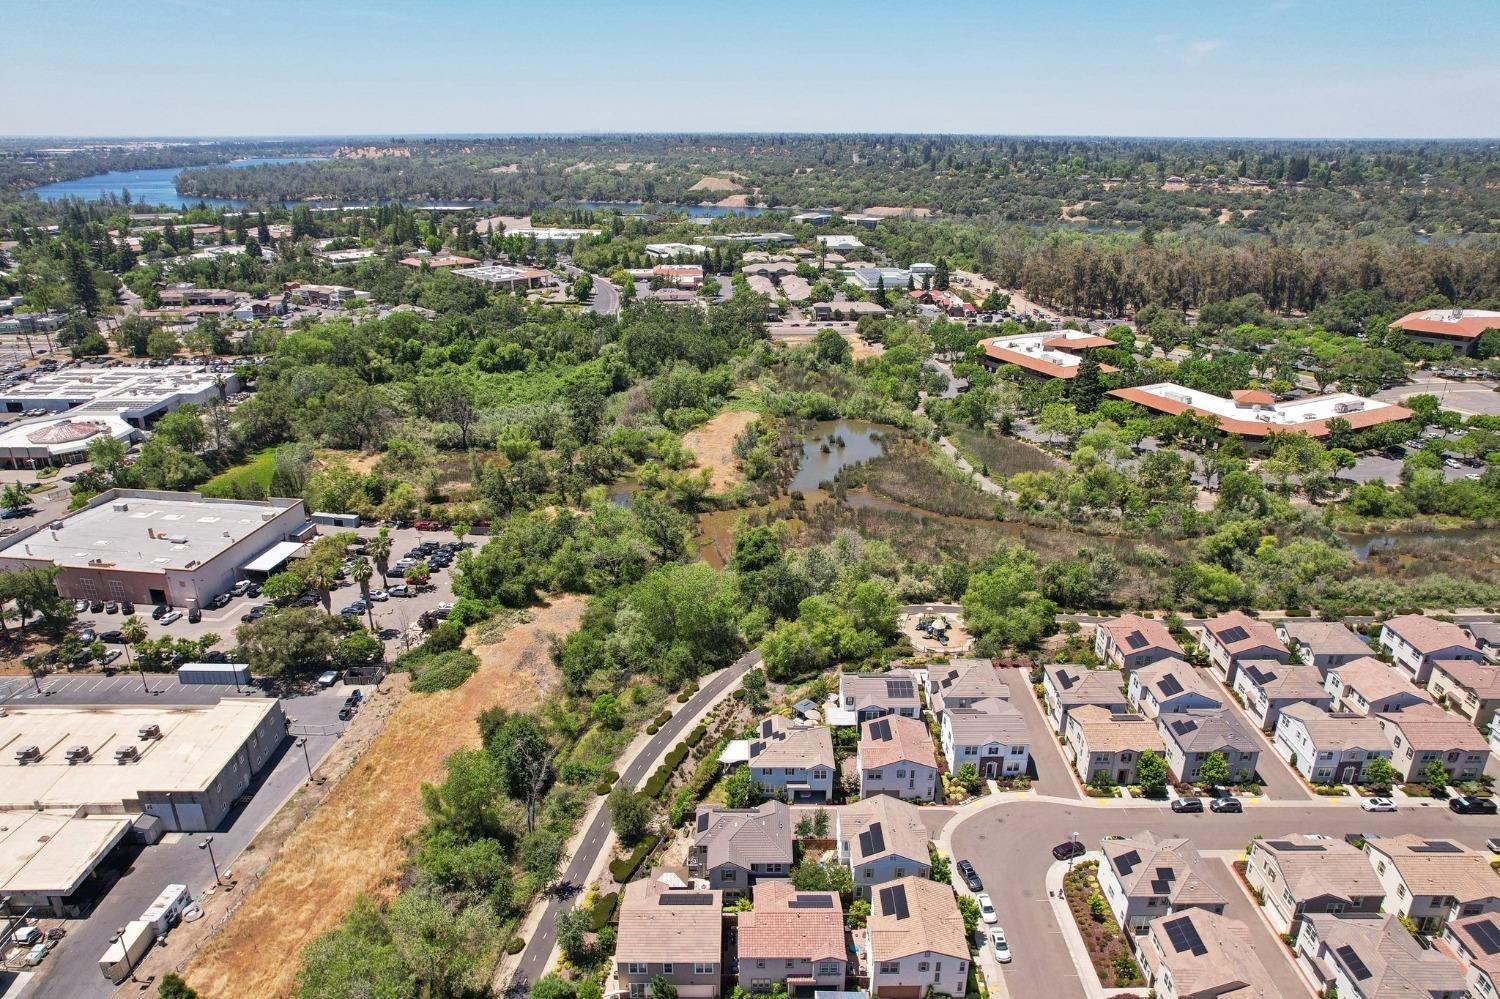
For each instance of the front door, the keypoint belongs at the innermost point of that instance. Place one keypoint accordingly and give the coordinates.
(1348, 773)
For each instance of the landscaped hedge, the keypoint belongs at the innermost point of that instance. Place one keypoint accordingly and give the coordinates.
(621, 868)
(695, 736)
(603, 910)
(657, 782)
(515, 946)
(677, 754)
(662, 719)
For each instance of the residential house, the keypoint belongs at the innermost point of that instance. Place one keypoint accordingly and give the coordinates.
(1324, 644)
(1143, 877)
(871, 695)
(1433, 881)
(672, 933)
(1415, 642)
(1103, 742)
(1368, 686)
(1233, 638)
(792, 938)
(1065, 687)
(1190, 737)
(895, 757)
(882, 839)
(989, 733)
(1329, 748)
(1170, 685)
(1131, 641)
(1474, 941)
(733, 848)
(1472, 689)
(1425, 733)
(1372, 956)
(1298, 875)
(794, 761)
(962, 682)
(1268, 688)
(916, 941)
(1199, 954)
(1485, 635)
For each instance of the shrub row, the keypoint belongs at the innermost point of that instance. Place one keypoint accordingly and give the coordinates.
(697, 786)
(603, 910)
(662, 718)
(515, 945)
(621, 868)
(695, 736)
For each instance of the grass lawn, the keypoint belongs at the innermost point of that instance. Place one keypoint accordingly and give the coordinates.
(257, 469)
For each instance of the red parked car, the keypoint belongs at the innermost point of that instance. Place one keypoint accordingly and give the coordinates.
(427, 525)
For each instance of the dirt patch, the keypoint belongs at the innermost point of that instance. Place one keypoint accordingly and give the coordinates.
(713, 445)
(734, 201)
(355, 842)
(507, 168)
(715, 184)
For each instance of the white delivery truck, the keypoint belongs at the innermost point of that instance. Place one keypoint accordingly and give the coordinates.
(162, 914)
(125, 954)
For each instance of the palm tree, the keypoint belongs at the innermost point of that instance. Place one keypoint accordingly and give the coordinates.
(362, 573)
(133, 630)
(380, 550)
(320, 578)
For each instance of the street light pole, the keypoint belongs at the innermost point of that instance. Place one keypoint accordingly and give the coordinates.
(1071, 853)
(302, 742)
(208, 844)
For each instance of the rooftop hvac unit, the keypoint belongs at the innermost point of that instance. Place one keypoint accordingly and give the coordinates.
(127, 754)
(1351, 406)
(119, 507)
(28, 754)
(77, 754)
(149, 731)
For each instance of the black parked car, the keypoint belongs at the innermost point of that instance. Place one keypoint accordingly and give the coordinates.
(96, 607)
(1187, 804)
(158, 611)
(1469, 805)
(971, 878)
(111, 637)
(1226, 805)
(127, 607)
(219, 600)
(1067, 851)
(195, 615)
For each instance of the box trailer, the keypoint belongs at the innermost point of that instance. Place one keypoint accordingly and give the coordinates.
(163, 913)
(349, 521)
(125, 954)
(223, 673)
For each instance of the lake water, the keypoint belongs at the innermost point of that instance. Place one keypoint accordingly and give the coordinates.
(832, 446)
(1365, 545)
(148, 187)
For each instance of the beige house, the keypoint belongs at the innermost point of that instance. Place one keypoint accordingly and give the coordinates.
(1191, 737)
(1066, 687)
(882, 839)
(1298, 875)
(1372, 956)
(1421, 734)
(1415, 642)
(1433, 881)
(1327, 748)
(990, 733)
(1144, 877)
(1171, 685)
(916, 941)
(1199, 954)
(1268, 688)
(792, 938)
(1131, 641)
(1233, 638)
(1324, 644)
(873, 695)
(963, 682)
(895, 757)
(735, 847)
(1472, 689)
(674, 933)
(1103, 742)
(1368, 686)
(793, 760)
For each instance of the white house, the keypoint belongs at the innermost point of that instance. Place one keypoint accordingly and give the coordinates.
(1144, 877)
(989, 733)
(1327, 748)
(1433, 881)
(1415, 642)
(1168, 686)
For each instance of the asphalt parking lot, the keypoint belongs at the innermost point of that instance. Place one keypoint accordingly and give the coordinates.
(1472, 398)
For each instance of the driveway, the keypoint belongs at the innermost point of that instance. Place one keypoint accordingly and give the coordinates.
(1053, 774)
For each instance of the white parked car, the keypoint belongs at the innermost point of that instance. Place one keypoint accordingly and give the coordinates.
(987, 909)
(1000, 944)
(169, 617)
(379, 596)
(1378, 805)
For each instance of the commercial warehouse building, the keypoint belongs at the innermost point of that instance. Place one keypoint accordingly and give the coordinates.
(1050, 354)
(138, 395)
(1254, 413)
(74, 782)
(59, 441)
(147, 547)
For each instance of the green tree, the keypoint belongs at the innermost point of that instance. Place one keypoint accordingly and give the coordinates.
(283, 587)
(13, 497)
(173, 987)
(968, 907)
(1151, 772)
(356, 959)
(1214, 770)
(630, 814)
(553, 986)
(1087, 388)
(524, 752)
(296, 640)
(940, 277)
(662, 989)
(1381, 774)
(80, 278)
(739, 788)
(1435, 777)
(968, 776)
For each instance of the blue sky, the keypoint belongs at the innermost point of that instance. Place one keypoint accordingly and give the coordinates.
(1361, 68)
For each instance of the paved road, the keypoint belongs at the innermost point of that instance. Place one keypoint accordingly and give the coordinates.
(606, 297)
(534, 958)
(1008, 846)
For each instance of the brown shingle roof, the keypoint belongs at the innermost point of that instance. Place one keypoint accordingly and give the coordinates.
(1428, 636)
(1478, 679)
(1325, 637)
(1239, 632)
(1428, 728)
(1152, 634)
(1338, 731)
(932, 922)
(895, 739)
(1433, 866)
(1281, 682)
(1207, 730)
(1312, 867)
(1077, 685)
(1396, 966)
(1104, 732)
(791, 924)
(802, 746)
(892, 689)
(1374, 679)
(1166, 678)
(684, 929)
(745, 836)
(1479, 948)
(988, 719)
(1148, 867)
(1222, 964)
(902, 832)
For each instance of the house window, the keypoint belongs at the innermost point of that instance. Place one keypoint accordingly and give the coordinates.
(790, 964)
(828, 968)
(666, 969)
(1401, 891)
(900, 774)
(637, 990)
(900, 872)
(703, 969)
(820, 774)
(874, 774)
(1337, 908)
(890, 967)
(635, 969)
(922, 966)
(729, 874)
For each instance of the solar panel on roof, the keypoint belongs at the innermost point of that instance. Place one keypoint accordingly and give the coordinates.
(881, 731)
(872, 840)
(1486, 935)
(1135, 639)
(1160, 887)
(899, 688)
(1184, 936)
(1437, 846)
(1183, 726)
(685, 898)
(1235, 634)
(811, 902)
(702, 821)
(1125, 862)
(1066, 679)
(893, 901)
(1166, 874)
(1169, 686)
(1353, 962)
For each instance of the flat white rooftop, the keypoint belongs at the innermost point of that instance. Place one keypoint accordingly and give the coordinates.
(1280, 414)
(551, 235)
(197, 742)
(498, 273)
(1036, 345)
(837, 242)
(122, 388)
(143, 531)
(62, 435)
(51, 853)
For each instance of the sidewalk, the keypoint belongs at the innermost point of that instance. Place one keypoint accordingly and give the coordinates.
(1078, 951)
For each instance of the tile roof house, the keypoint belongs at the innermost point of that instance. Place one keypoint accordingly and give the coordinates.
(1373, 956)
(1143, 877)
(1421, 734)
(1171, 685)
(735, 847)
(796, 760)
(1202, 955)
(1104, 742)
(1485, 636)
(882, 839)
(989, 733)
(1065, 687)
(1368, 686)
(792, 938)
(1132, 641)
(871, 695)
(962, 682)
(1299, 875)
(1329, 748)
(672, 933)
(1472, 689)
(1433, 881)
(1324, 644)
(1191, 736)
(1475, 942)
(916, 940)
(895, 757)
(1415, 642)
(1235, 637)
(1267, 688)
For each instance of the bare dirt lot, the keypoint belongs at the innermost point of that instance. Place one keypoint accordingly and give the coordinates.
(713, 445)
(355, 842)
(715, 184)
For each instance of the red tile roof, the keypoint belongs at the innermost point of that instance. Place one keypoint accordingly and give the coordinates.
(1469, 325)
(1255, 428)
